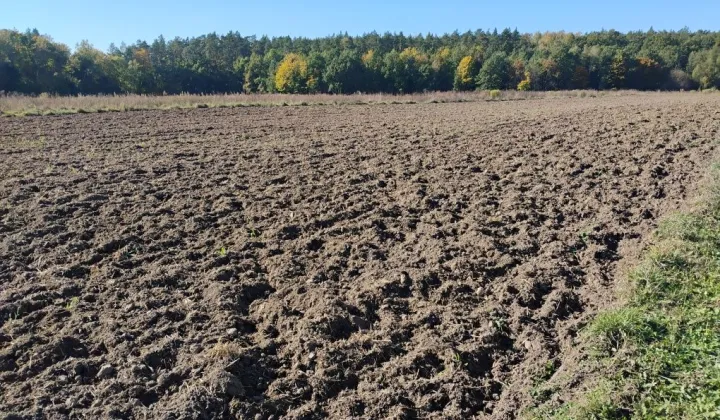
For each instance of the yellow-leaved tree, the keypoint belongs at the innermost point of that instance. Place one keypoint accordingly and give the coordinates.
(465, 74)
(412, 53)
(524, 84)
(292, 74)
(371, 61)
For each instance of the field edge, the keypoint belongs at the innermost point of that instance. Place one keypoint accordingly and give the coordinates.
(46, 105)
(655, 354)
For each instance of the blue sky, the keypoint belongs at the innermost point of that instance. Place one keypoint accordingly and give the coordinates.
(102, 21)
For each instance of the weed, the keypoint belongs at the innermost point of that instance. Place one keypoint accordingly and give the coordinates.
(457, 359)
(542, 393)
(548, 370)
(129, 252)
(584, 238)
(224, 351)
(14, 316)
(499, 323)
(222, 252)
(72, 304)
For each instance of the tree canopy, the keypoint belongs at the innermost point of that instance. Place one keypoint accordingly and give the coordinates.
(392, 62)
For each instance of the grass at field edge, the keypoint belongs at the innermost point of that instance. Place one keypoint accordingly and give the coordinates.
(659, 353)
(19, 106)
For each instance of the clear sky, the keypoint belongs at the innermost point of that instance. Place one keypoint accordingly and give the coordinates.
(103, 21)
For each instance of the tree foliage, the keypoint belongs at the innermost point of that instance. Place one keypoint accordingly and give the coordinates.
(525, 83)
(495, 72)
(344, 72)
(396, 63)
(254, 74)
(465, 74)
(705, 67)
(291, 75)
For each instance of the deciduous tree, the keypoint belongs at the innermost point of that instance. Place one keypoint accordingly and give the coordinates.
(495, 72)
(292, 74)
(465, 74)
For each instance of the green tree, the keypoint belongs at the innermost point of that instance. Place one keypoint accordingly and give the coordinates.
(254, 74)
(618, 71)
(93, 71)
(406, 71)
(138, 76)
(705, 67)
(316, 66)
(372, 69)
(393, 72)
(9, 72)
(598, 61)
(272, 59)
(344, 72)
(442, 70)
(495, 72)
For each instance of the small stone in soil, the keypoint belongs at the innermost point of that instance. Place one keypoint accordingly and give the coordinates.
(106, 371)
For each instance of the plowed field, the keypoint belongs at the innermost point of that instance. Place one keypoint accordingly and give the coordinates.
(381, 261)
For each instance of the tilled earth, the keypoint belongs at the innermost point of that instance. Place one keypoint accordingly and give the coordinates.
(383, 261)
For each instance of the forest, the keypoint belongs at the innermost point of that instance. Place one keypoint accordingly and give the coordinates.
(32, 63)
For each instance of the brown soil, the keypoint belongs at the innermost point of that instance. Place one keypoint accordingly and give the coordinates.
(384, 261)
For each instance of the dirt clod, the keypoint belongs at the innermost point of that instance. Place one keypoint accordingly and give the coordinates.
(105, 372)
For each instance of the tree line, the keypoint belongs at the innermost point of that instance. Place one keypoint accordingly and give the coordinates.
(33, 63)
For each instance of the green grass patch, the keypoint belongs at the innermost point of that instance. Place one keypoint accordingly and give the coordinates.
(660, 351)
